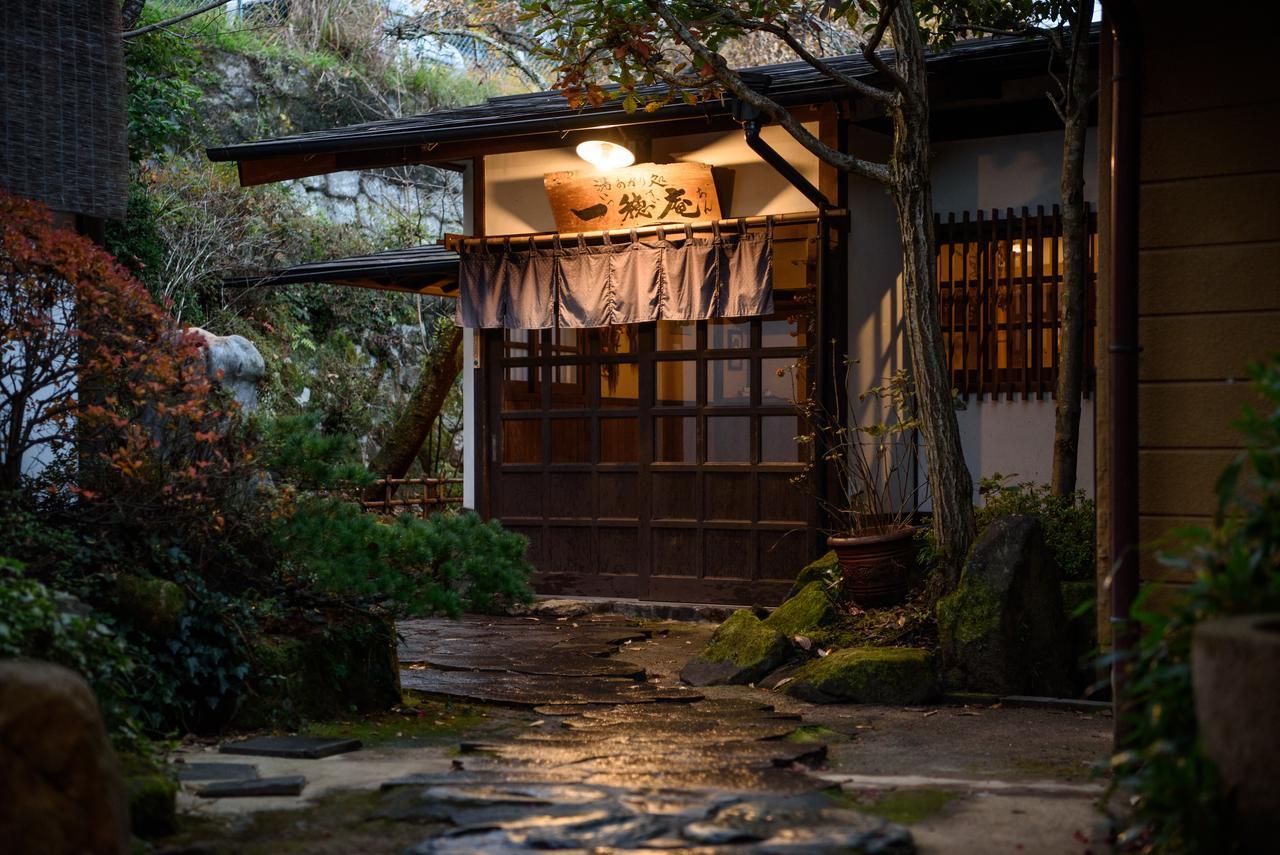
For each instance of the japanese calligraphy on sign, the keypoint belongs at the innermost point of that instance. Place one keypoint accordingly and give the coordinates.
(636, 196)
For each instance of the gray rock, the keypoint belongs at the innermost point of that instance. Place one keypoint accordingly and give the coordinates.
(305, 747)
(1003, 629)
(216, 771)
(60, 785)
(285, 785)
(343, 185)
(234, 362)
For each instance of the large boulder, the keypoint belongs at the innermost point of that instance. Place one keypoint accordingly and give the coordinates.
(867, 675)
(347, 663)
(60, 786)
(743, 650)
(234, 362)
(809, 610)
(1003, 629)
(154, 605)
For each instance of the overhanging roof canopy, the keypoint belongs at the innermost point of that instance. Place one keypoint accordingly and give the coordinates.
(510, 123)
(430, 269)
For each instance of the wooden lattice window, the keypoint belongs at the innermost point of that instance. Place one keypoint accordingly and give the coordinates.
(999, 276)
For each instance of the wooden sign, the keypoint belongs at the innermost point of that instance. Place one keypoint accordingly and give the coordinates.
(636, 196)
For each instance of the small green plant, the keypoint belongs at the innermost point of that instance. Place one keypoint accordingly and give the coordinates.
(1068, 521)
(1179, 805)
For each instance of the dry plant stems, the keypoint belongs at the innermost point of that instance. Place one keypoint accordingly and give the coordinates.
(873, 463)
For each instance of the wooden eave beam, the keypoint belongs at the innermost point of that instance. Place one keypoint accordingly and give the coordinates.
(267, 170)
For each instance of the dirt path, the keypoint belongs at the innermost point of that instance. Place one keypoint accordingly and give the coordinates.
(575, 734)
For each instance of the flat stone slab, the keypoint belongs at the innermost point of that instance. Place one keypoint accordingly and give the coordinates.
(286, 785)
(299, 747)
(532, 690)
(532, 816)
(216, 771)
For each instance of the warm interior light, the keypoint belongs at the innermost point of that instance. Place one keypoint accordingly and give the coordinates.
(603, 154)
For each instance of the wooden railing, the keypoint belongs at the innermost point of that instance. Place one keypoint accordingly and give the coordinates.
(999, 278)
(420, 495)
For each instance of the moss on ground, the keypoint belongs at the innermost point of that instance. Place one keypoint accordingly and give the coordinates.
(807, 733)
(809, 610)
(868, 675)
(908, 807)
(417, 722)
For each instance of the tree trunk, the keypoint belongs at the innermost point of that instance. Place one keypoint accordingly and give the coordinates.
(1072, 301)
(130, 12)
(440, 368)
(950, 484)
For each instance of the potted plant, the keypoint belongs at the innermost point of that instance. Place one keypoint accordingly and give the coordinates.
(873, 463)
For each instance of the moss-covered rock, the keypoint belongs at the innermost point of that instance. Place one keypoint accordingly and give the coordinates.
(1003, 630)
(341, 667)
(152, 793)
(743, 650)
(868, 675)
(810, 609)
(153, 605)
(823, 570)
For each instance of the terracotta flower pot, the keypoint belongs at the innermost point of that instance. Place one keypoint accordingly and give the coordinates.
(876, 567)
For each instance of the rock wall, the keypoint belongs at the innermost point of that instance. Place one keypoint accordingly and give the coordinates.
(250, 97)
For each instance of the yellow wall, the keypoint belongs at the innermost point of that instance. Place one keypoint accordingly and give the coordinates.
(1208, 265)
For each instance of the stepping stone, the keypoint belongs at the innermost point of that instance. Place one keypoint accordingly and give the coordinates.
(529, 690)
(298, 747)
(287, 785)
(216, 771)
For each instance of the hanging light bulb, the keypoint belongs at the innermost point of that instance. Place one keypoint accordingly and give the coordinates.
(605, 154)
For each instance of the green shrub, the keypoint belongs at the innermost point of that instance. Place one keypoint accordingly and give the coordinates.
(449, 562)
(39, 623)
(1236, 566)
(1069, 522)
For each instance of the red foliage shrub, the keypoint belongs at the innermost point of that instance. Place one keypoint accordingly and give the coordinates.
(96, 379)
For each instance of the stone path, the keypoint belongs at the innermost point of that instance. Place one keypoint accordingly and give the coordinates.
(615, 760)
(586, 741)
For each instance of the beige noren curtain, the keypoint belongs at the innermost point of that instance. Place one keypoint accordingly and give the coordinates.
(520, 286)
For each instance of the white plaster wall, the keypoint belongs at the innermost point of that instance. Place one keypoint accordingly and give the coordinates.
(998, 172)
(516, 202)
(468, 365)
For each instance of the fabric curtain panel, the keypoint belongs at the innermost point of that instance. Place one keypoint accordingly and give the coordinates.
(513, 287)
(573, 285)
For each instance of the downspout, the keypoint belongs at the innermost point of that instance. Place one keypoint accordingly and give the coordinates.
(1123, 349)
(770, 155)
(823, 371)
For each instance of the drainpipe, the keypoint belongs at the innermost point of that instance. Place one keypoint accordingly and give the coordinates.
(1124, 347)
(823, 369)
(751, 128)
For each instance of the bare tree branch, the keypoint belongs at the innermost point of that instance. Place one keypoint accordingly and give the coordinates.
(128, 34)
(869, 49)
(775, 111)
(820, 65)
